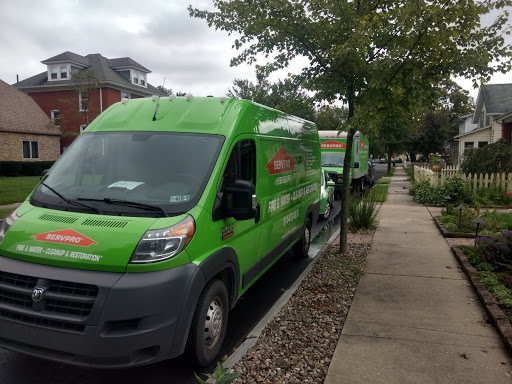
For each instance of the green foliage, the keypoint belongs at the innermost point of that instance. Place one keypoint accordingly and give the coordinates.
(362, 213)
(287, 96)
(494, 221)
(24, 168)
(16, 189)
(384, 181)
(389, 173)
(492, 158)
(488, 273)
(496, 250)
(221, 375)
(330, 117)
(377, 194)
(424, 193)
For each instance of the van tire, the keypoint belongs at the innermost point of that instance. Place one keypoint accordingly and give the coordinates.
(301, 247)
(327, 210)
(209, 324)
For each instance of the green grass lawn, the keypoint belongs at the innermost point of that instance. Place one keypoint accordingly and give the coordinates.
(384, 181)
(390, 173)
(16, 189)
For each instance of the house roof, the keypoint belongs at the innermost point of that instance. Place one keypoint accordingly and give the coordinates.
(497, 99)
(20, 113)
(103, 67)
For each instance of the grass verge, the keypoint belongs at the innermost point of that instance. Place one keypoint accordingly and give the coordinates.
(16, 189)
(377, 194)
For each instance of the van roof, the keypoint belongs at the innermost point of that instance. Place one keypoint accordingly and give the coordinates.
(211, 115)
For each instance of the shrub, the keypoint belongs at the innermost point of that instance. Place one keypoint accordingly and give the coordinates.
(496, 250)
(24, 168)
(362, 213)
(492, 158)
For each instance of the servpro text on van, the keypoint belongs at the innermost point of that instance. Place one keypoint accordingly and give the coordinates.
(149, 228)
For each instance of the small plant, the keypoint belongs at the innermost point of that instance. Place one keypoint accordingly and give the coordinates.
(362, 213)
(496, 250)
(435, 159)
(221, 375)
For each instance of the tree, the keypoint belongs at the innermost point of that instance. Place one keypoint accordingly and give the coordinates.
(167, 91)
(84, 83)
(329, 117)
(284, 95)
(357, 48)
(439, 122)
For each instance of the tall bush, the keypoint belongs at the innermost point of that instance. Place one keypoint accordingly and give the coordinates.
(492, 158)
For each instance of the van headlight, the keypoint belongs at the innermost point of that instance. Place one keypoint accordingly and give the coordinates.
(6, 224)
(162, 244)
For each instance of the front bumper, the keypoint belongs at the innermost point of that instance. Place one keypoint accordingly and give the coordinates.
(97, 319)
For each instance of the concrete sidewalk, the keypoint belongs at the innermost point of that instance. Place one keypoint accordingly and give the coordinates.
(415, 318)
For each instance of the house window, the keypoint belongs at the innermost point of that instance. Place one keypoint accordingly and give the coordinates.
(126, 95)
(482, 144)
(55, 116)
(58, 72)
(468, 145)
(83, 102)
(138, 78)
(82, 127)
(30, 149)
(63, 72)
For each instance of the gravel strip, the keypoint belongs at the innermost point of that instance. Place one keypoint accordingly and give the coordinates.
(298, 344)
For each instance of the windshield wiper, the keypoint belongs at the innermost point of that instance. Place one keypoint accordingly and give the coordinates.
(128, 203)
(71, 201)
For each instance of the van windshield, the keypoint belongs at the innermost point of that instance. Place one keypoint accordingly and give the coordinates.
(131, 173)
(332, 159)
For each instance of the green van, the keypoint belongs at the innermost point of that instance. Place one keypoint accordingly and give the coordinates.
(151, 225)
(333, 146)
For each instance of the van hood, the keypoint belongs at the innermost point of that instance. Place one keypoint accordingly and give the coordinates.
(77, 240)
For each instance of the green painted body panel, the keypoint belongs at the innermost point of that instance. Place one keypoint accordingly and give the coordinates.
(360, 153)
(285, 188)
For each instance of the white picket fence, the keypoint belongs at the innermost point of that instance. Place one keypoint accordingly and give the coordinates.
(475, 182)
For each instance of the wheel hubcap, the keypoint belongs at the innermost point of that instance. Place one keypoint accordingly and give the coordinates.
(213, 323)
(306, 240)
(327, 209)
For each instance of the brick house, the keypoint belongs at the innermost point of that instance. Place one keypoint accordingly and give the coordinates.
(55, 92)
(26, 132)
(491, 121)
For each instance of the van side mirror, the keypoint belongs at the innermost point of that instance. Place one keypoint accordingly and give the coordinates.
(356, 164)
(239, 201)
(43, 174)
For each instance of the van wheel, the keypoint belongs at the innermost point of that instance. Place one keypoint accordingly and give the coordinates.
(327, 209)
(209, 324)
(301, 247)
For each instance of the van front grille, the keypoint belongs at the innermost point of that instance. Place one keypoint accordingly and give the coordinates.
(65, 305)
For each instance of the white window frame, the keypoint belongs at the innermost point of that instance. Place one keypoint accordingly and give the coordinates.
(31, 155)
(126, 95)
(138, 78)
(57, 71)
(55, 119)
(82, 127)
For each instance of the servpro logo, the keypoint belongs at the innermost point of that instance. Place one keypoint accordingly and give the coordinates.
(332, 144)
(65, 236)
(280, 163)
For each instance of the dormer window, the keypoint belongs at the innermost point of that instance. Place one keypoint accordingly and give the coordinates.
(138, 78)
(58, 72)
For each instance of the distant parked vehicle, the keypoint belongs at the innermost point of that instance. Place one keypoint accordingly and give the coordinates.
(383, 160)
(370, 174)
(326, 194)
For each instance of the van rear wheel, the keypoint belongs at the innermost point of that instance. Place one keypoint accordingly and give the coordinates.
(301, 247)
(209, 323)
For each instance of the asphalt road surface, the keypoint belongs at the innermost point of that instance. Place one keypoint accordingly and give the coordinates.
(20, 369)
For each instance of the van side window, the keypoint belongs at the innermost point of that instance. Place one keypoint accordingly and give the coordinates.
(241, 164)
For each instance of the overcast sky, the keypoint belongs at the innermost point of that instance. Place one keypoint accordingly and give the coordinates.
(158, 34)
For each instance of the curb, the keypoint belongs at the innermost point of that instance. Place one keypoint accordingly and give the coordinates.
(496, 315)
(445, 233)
(254, 334)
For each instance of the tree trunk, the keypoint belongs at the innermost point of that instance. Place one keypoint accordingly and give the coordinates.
(345, 188)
